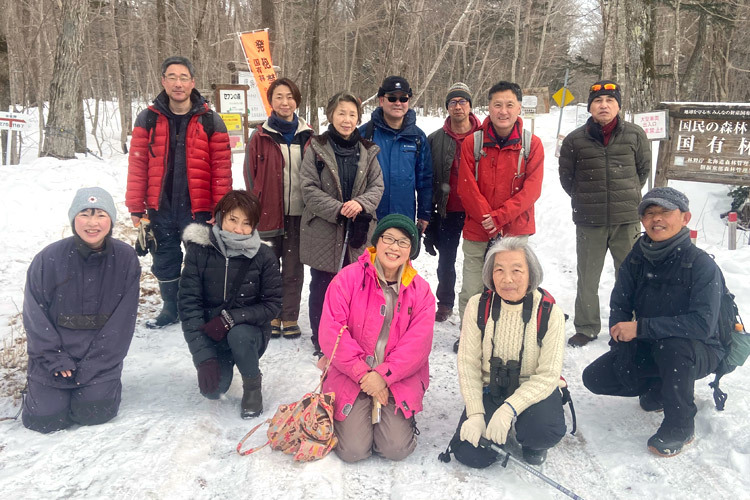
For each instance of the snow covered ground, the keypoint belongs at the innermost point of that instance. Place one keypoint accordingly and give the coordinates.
(169, 442)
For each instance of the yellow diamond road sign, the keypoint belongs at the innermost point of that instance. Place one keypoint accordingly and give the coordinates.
(557, 96)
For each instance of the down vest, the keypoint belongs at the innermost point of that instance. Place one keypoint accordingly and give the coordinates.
(208, 160)
(355, 299)
(322, 229)
(605, 182)
(205, 282)
(499, 191)
(271, 172)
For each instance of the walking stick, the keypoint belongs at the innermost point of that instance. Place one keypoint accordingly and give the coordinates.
(346, 244)
(505, 456)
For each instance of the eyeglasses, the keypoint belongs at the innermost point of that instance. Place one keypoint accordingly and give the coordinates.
(393, 98)
(607, 86)
(174, 78)
(390, 240)
(460, 102)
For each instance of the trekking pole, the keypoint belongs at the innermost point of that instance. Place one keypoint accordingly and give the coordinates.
(505, 456)
(346, 244)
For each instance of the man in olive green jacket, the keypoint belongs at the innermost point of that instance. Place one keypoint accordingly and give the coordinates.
(603, 167)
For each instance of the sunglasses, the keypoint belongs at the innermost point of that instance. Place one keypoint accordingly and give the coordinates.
(607, 86)
(393, 98)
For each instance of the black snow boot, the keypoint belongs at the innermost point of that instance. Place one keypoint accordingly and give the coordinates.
(168, 314)
(534, 457)
(651, 400)
(669, 441)
(252, 398)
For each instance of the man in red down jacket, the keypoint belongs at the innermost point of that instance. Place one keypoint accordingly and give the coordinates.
(180, 166)
(499, 198)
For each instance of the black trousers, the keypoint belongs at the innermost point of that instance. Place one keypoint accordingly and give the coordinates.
(449, 235)
(671, 365)
(243, 346)
(539, 427)
(319, 281)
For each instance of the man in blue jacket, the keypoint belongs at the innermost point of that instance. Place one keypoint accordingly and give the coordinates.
(663, 322)
(404, 154)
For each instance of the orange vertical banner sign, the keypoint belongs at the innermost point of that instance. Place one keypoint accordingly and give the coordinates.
(258, 54)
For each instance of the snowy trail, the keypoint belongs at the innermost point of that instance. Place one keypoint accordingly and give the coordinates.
(169, 442)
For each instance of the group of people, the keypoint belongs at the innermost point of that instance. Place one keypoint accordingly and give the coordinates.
(352, 203)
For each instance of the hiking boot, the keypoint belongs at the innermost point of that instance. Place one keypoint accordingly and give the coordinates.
(669, 442)
(252, 399)
(317, 351)
(168, 315)
(291, 330)
(275, 328)
(443, 313)
(651, 400)
(579, 340)
(534, 457)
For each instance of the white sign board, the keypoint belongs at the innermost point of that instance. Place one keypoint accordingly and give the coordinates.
(256, 111)
(528, 105)
(12, 121)
(232, 101)
(582, 115)
(654, 123)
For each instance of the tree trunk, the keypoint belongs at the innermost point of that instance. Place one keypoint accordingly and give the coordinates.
(693, 69)
(4, 89)
(516, 41)
(314, 64)
(59, 140)
(676, 51)
(640, 55)
(122, 86)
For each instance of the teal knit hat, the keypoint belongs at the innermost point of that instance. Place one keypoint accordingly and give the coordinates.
(403, 223)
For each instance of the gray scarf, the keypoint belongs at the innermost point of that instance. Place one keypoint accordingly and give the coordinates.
(234, 245)
(658, 251)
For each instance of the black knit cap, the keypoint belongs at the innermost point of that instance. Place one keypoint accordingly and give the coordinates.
(394, 84)
(458, 89)
(602, 91)
(403, 223)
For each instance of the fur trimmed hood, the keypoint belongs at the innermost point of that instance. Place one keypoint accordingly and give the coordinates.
(198, 234)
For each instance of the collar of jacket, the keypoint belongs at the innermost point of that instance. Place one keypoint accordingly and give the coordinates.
(301, 127)
(408, 127)
(406, 278)
(513, 139)
(161, 104)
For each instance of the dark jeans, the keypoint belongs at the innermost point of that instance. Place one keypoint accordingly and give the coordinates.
(167, 226)
(319, 281)
(539, 427)
(632, 368)
(243, 347)
(449, 235)
(286, 248)
(47, 409)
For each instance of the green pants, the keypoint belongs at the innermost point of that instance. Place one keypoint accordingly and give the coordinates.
(592, 243)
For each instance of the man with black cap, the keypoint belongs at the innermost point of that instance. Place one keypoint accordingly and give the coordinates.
(447, 221)
(180, 166)
(404, 154)
(663, 321)
(603, 166)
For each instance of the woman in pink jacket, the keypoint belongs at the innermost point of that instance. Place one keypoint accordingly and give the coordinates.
(380, 371)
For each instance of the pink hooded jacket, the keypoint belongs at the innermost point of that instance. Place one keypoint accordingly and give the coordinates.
(355, 299)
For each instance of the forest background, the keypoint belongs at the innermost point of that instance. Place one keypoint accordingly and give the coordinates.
(62, 55)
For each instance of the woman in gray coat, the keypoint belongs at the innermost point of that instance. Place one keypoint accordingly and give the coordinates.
(341, 187)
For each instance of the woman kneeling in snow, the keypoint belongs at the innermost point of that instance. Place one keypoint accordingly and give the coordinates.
(79, 312)
(230, 290)
(382, 358)
(505, 375)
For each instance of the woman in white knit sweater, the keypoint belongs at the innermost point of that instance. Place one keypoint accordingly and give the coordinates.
(533, 401)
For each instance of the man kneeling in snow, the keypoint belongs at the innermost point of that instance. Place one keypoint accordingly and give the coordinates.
(673, 290)
(79, 311)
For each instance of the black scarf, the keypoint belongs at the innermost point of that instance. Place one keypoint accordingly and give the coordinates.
(658, 251)
(340, 141)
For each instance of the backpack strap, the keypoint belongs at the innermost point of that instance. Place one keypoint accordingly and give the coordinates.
(543, 314)
(208, 121)
(369, 130)
(478, 153)
(150, 127)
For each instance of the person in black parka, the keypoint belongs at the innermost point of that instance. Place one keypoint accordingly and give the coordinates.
(79, 311)
(230, 290)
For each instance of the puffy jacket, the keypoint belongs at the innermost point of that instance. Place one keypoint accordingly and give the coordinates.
(206, 281)
(510, 200)
(79, 311)
(443, 144)
(208, 161)
(605, 182)
(679, 297)
(322, 229)
(407, 166)
(355, 299)
(271, 171)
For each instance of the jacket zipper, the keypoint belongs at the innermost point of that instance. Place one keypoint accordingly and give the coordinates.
(226, 273)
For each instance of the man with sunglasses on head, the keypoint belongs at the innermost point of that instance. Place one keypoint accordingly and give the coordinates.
(447, 222)
(603, 167)
(404, 154)
(180, 166)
